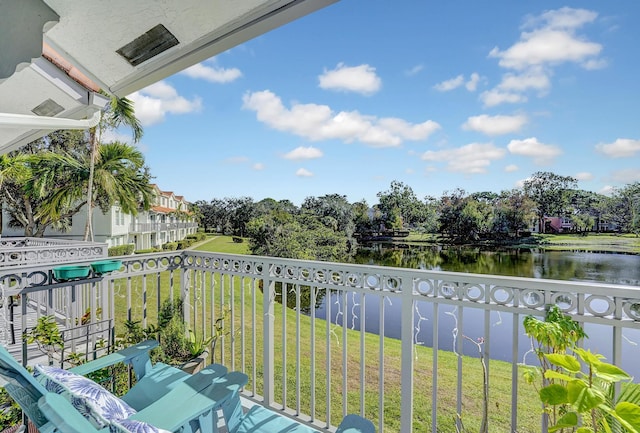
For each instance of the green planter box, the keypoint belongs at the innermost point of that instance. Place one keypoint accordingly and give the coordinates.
(105, 266)
(69, 273)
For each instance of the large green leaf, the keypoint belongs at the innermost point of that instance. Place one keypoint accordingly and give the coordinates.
(554, 394)
(630, 413)
(588, 356)
(567, 362)
(610, 372)
(552, 374)
(584, 430)
(569, 419)
(582, 397)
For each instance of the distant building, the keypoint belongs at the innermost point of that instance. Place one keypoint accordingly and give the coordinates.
(168, 220)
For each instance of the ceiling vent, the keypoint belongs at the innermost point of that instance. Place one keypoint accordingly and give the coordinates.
(48, 108)
(148, 45)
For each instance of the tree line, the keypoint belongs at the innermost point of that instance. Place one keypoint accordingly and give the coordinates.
(328, 227)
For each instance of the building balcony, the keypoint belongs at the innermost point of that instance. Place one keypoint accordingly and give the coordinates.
(319, 339)
(156, 227)
(16, 251)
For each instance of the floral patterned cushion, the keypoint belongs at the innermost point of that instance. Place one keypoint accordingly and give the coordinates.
(97, 404)
(133, 426)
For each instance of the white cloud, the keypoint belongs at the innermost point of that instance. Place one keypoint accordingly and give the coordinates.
(213, 74)
(153, 103)
(414, 70)
(451, 84)
(473, 158)
(621, 148)
(607, 190)
(546, 46)
(532, 148)
(319, 122)
(563, 18)
(472, 84)
(626, 176)
(593, 64)
(534, 79)
(302, 172)
(511, 168)
(359, 79)
(495, 125)
(258, 166)
(494, 97)
(547, 40)
(583, 175)
(301, 153)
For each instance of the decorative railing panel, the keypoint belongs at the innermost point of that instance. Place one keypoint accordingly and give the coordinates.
(389, 343)
(32, 251)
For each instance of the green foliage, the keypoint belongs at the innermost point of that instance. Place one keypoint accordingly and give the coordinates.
(121, 250)
(170, 246)
(147, 251)
(10, 412)
(550, 192)
(184, 243)
(46, 335)
(578, 387)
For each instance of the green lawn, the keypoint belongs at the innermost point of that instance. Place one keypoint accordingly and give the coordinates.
(224, 244)
(626, 243)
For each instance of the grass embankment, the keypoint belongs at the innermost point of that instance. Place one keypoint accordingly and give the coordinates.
(224, 244)
(591, 242)
(298, 332)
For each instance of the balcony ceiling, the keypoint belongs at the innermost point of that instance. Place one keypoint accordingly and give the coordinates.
(64, 51)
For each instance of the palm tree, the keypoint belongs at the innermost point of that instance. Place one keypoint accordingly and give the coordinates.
(119, 113)
(13, 169)
(119, 176)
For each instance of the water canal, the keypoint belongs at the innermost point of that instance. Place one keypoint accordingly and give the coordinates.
(536, 263)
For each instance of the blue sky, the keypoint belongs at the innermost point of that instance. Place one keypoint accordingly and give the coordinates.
(438, 95)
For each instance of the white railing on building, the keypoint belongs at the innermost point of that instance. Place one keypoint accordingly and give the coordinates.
(21, 251)
(159, 227)
(286, 352)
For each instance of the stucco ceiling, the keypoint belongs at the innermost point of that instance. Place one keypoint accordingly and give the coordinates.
(92, 44)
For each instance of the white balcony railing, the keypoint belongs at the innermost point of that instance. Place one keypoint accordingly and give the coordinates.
(159, 227)
(317, 370)
(26, 251)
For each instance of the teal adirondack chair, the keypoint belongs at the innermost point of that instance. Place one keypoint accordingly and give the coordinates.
(186, 404)
(262, 420)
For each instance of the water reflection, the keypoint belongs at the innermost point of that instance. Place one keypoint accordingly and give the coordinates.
(454, 323)
(515, 262)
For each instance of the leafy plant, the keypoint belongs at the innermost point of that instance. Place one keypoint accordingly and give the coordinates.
(47, 336)
(575, 400)
(586, 395)
(198, 345)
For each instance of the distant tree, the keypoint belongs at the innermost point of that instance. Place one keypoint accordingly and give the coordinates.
(400, 200)
(362, 217)
(241, 211)
(550, 192)
(513, 212)
(333, 210)
(304, 236)
(625, 208)
(585, 209)
(205, 213)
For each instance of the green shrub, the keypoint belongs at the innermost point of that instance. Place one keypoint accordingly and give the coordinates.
(170, 246)
(184, 243)
(147, 251)
(121, 250)
(197, 237)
